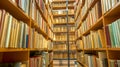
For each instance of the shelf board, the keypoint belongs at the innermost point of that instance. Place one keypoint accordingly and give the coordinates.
(14, 11)
(63, 59)
(51, 62)
(79, 50)
(62, 15)
(64, 65)
(95, 26)
(71, 23)
(79, 37)
(93, 50)
(13, 49)
(113, 11)
(81, 63)
(21, 49)
(63, 1)
(64, 40)
(113, 49)
(62, 7)
(71, 32)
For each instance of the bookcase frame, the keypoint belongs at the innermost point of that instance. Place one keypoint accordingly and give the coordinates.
(23, 54)
(106, 18)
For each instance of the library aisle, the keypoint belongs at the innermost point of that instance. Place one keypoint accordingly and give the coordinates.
(59, 33)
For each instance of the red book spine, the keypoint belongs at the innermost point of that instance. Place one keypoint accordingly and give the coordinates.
(107, 36)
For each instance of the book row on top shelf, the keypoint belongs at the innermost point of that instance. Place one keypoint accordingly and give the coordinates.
(21, 26)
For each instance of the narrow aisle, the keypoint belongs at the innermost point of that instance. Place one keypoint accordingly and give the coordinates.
(64, 33)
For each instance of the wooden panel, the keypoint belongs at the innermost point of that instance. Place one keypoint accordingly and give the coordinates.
(15, 56)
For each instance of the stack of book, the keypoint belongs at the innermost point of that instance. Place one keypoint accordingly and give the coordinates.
(79, 44)
(94, 40)
(112, 34)
(61, 37)
(93, 61)
(114, 63)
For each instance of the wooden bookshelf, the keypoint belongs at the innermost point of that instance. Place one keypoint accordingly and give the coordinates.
(23, 54)
(107, 18)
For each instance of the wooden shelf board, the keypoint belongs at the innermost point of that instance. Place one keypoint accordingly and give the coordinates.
(113, 11)
(64, 32)
(14, 11)
(113, 49)
(62, 15)
(81, 63)
(63, 59)
(63, 41)
(71, 23)
(58, 1)
(79, 37)
(62, 7)
(13, 49)
(79, 50)
(95, 26)
(51, 62)
(93, 50)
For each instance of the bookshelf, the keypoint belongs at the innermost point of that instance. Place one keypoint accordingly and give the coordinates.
(21, 15)
(91, 44)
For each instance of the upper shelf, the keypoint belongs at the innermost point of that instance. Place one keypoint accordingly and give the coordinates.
(62, 7)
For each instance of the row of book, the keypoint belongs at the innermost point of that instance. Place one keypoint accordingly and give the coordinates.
(15, 64)
(64, 55)
(64, 37)
(27, 7)
(95, 39)
(71, 11)
(114, 63)
(95, 13)
(61, 63)
(112, 34)
(63, 29)
(96, 61)
(79, 44)
(17, 34)
(60, 47)
(40, 60)
(64, 47)
(36, 61)
(14, 33)
(80, 57)
(107, 5)
(63, 19)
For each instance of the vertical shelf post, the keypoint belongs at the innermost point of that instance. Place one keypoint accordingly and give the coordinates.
(67, 33)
